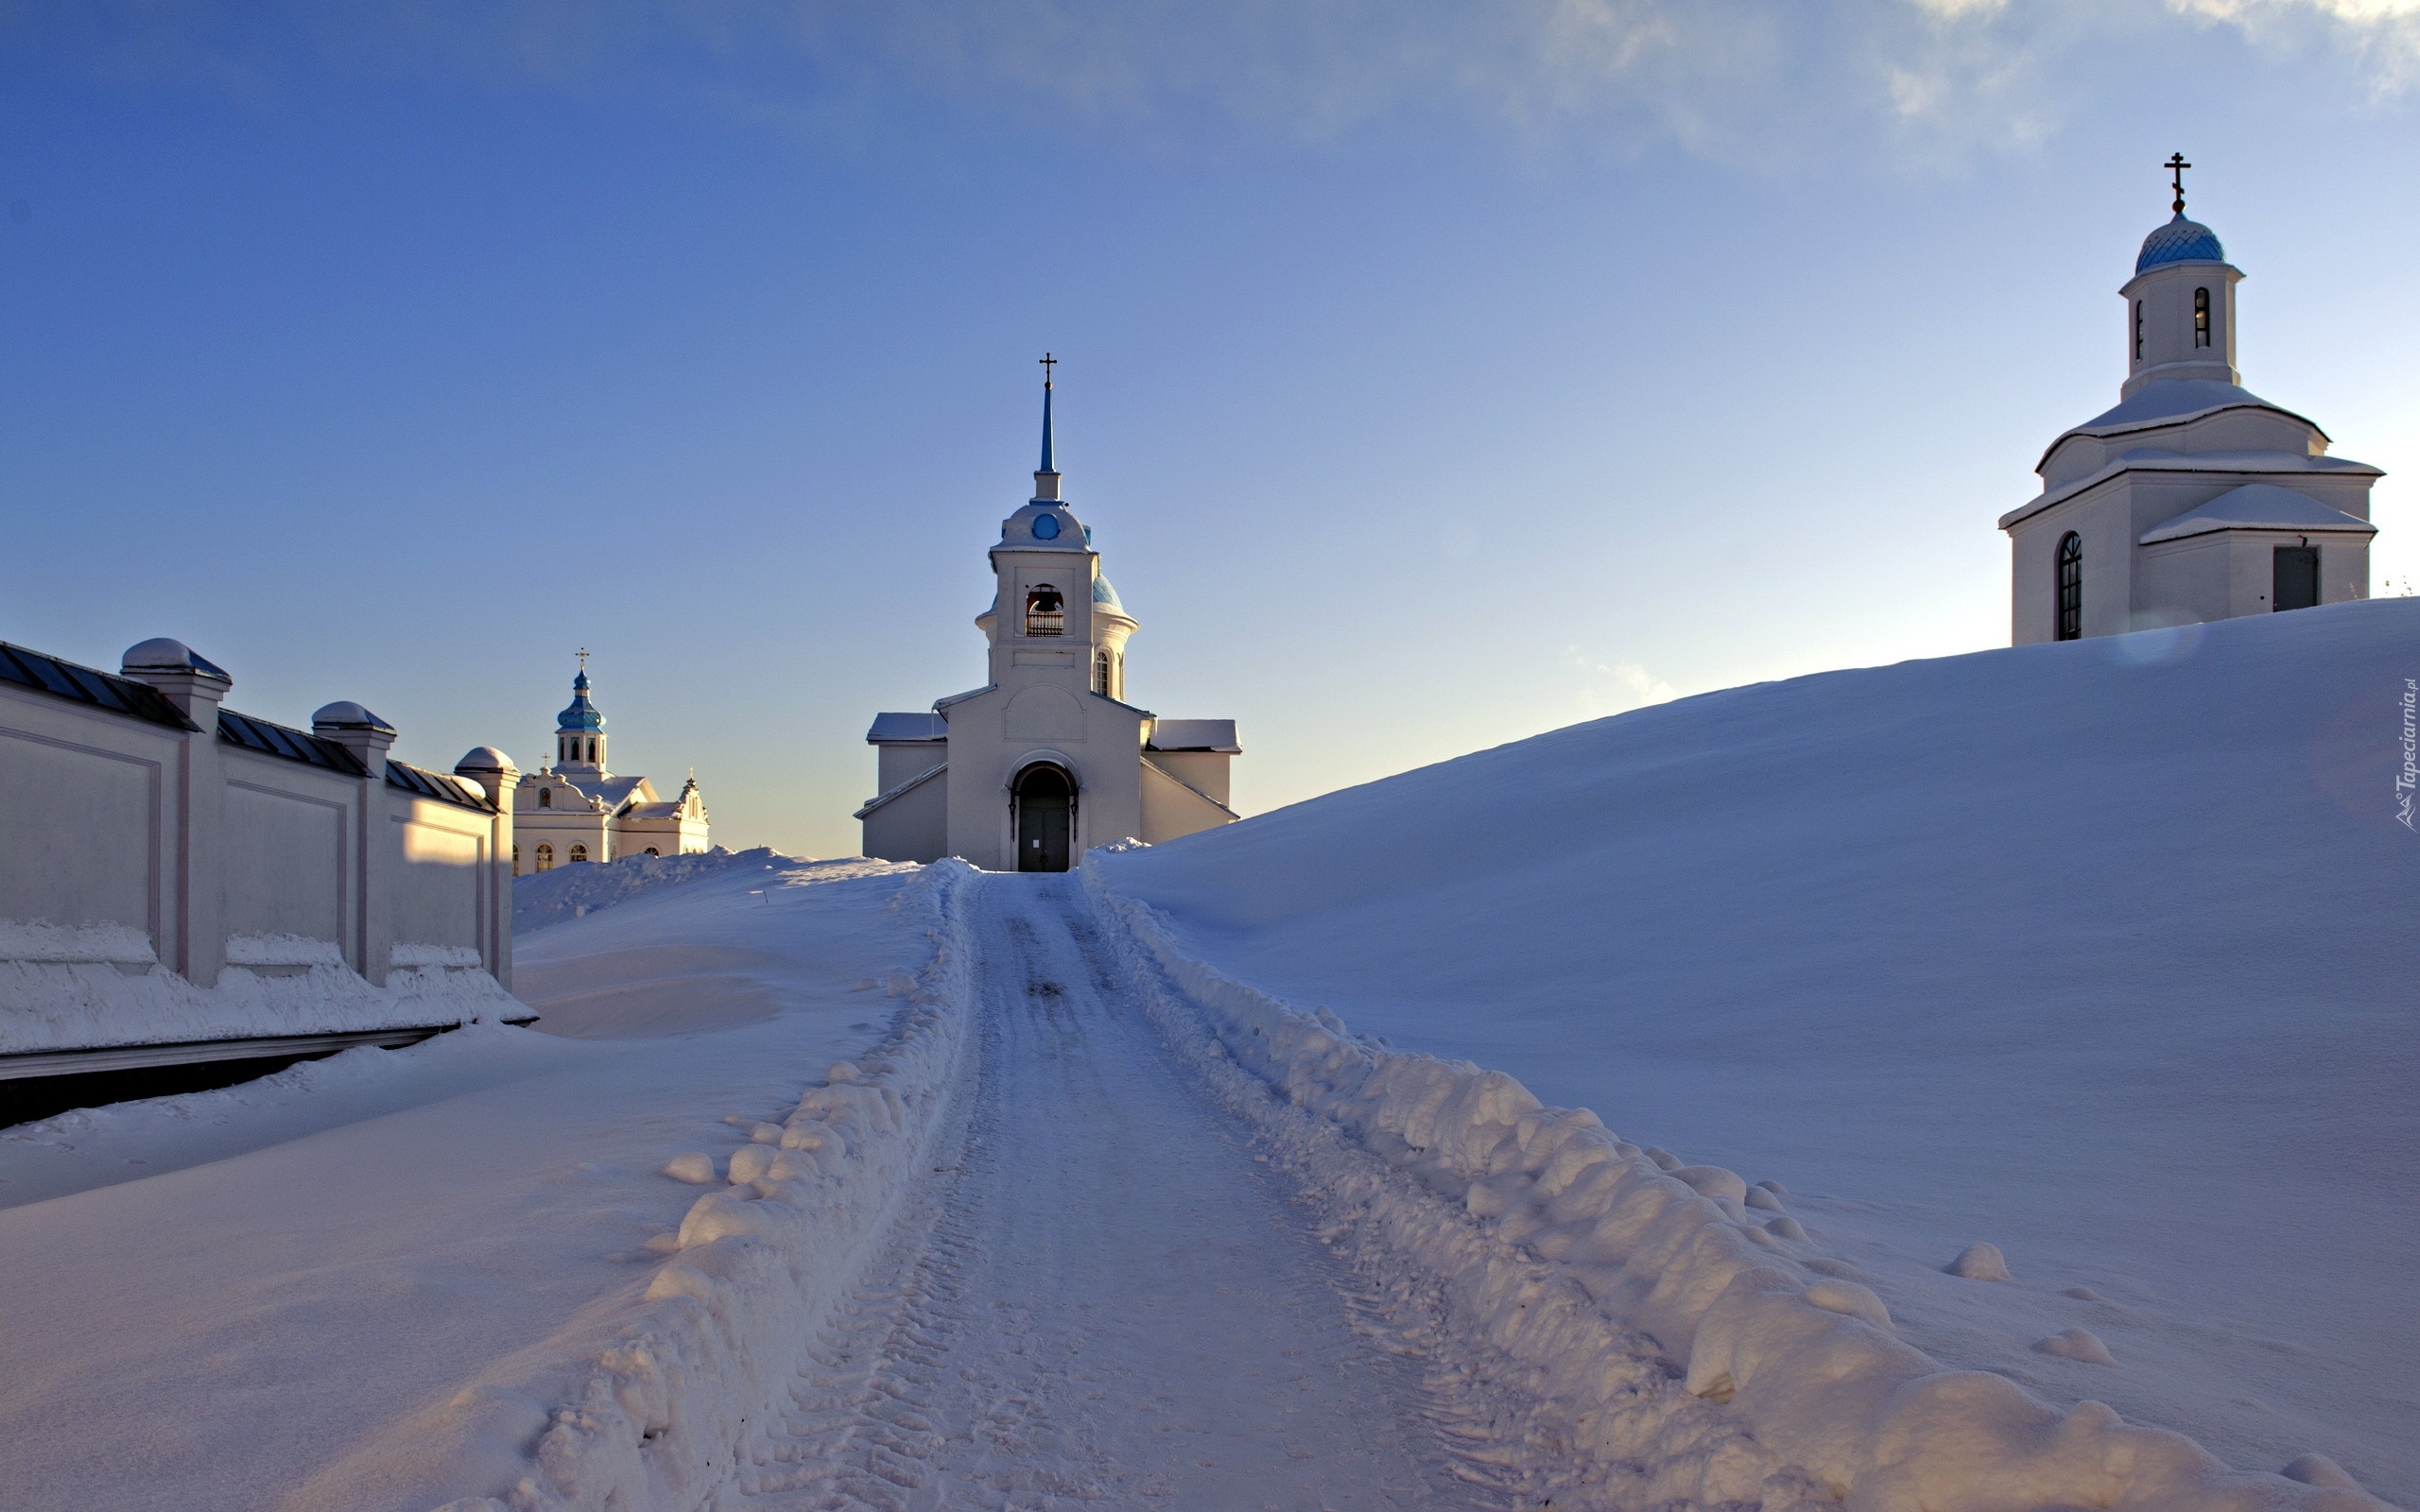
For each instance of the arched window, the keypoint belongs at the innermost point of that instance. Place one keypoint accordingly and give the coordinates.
(579, 852)
(1100, 674)
(546, 858)
(545, 797)
(2200, 317)
(653, 852)
(2138, 330)
(516, 858)
(1045, 613)
(2070, 587)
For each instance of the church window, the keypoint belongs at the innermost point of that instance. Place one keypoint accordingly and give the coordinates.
(2070, 587)
(516, 858)
(653, 852)
(579, 852)
(1100, 673)
(1045, 613)
(2138, 330)
(545, 797)
(2200, 317)
(546, 858)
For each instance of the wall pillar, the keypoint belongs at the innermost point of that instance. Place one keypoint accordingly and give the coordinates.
(195, 917)
(493, 771)
(377, 843)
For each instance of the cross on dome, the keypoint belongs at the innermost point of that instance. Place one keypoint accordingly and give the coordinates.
(2176, 167)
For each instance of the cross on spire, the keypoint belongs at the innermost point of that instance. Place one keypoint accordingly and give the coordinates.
(2176, 167)
(1049, 467)
(583, 658)
(1048, 362)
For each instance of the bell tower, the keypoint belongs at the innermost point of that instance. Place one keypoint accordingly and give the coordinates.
(1053, 616)
(580, 729)
(2180, 305)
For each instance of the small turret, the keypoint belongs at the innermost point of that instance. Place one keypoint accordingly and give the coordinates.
(580, 729)
(2180, 305)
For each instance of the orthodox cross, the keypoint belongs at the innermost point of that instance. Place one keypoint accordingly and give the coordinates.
(2176, 167)
(1048, 362)
(583, 658)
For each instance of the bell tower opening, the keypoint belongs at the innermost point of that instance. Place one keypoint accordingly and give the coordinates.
(1044, 800)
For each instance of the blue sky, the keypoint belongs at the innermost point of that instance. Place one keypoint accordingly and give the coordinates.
(1433, 375)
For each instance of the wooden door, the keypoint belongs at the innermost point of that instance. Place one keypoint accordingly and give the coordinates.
(2296, 578)
(1045, 820)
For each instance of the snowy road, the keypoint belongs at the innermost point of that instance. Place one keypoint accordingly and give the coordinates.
(1100, 1296)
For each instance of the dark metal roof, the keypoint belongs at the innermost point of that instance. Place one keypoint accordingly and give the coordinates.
(289, 745)
(439, 785)
(65, 680)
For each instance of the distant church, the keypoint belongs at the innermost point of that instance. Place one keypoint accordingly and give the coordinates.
(1047, 758)
(576, 809)
(2193, 499)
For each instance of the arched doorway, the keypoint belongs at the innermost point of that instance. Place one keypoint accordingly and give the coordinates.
(1046, 818)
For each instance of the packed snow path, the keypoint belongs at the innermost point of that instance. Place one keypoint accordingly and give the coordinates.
(1099, 1296)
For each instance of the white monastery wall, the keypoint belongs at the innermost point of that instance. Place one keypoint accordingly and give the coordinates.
(186, 884)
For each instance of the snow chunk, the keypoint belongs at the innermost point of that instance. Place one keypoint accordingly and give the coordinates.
(696, 1169)
(1762, 1199)
(1712, 1181)
(1664, 1158)
(2077, 1344)
(2318, 1469)
(1849, 1299)
(1980, 1262)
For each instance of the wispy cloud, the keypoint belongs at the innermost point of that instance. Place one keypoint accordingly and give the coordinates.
(1614, 687)
(1723, 78)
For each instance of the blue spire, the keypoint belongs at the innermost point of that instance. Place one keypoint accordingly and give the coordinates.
(1048, 362)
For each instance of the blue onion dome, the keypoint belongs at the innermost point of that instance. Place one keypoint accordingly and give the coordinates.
(2179, 241)
(582, 716)
(1104, 595)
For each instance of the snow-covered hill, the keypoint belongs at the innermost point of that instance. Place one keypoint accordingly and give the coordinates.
(2103, 953)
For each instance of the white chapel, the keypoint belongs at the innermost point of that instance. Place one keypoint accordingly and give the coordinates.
(1047, 758)
(2194, 499)
(576, 809)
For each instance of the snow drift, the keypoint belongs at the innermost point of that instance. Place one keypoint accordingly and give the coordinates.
(1560, 1245)
(2098, 951)
(656, 1402)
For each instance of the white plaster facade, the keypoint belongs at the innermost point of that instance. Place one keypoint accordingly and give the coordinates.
(151, 833)
(1047, 758)
(578, 811)
(2193, 499)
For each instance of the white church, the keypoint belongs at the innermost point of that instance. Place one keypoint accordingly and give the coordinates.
(2194, 499)
(1047, 758)
(576, 810)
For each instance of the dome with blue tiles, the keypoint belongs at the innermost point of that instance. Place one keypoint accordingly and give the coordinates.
(1105, 595)
(2179, 241)
(581, 716)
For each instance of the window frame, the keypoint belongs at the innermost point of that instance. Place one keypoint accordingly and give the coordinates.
(2068, 592)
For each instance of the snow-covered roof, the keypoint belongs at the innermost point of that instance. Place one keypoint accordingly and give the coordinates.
(2176, 399)
(902, 790)
(2159, 460)
(1195, 734)
(161, 654)
(891, 728)
(2179, 241)
(940, 705)
(2258, 506)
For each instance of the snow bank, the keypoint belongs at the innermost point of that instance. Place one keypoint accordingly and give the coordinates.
(655, 1398)
(72, 1005)
(1687, 1350)
(572, 892)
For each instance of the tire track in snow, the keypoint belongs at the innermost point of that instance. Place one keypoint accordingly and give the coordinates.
(1103, 1297)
